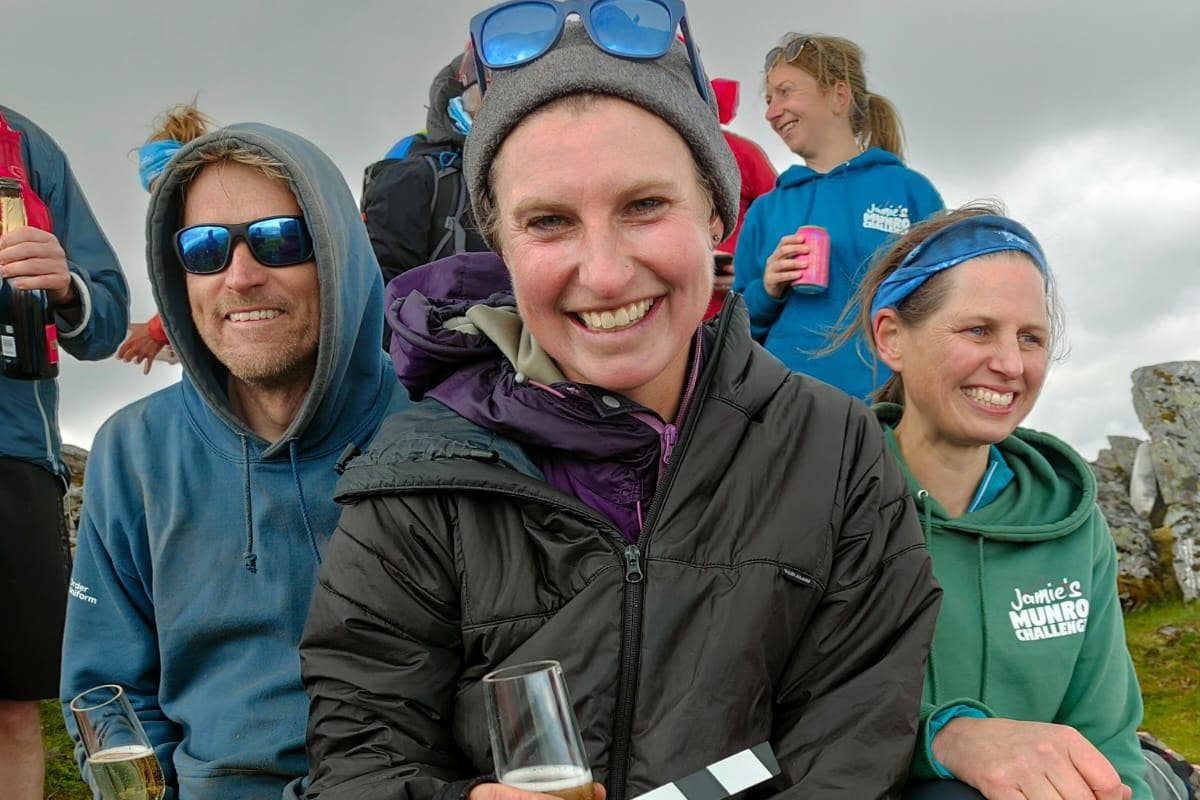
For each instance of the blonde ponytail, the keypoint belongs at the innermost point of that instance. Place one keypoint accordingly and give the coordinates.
(881, 126)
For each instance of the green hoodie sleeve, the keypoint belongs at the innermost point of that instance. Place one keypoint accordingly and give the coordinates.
(922, 761)
(1103, 701)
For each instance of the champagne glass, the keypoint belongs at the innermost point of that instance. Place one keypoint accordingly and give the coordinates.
(536, 744)
(119, 755)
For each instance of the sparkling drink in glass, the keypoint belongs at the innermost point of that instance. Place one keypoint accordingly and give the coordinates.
(119, 755)
(536, 745)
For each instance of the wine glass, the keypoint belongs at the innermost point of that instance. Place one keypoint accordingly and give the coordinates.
(536, 744)
(119, 755)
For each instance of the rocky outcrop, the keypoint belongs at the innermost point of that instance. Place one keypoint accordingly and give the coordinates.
(1166, 398)
(1143, 485)
(1142, 573)
(1149, 490)
(76, 460)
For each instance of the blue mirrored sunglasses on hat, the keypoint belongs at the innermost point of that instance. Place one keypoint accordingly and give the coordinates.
(279, 241)
(519, 31)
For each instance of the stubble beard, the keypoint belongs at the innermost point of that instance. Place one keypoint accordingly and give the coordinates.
(275, 371)
(273, 366)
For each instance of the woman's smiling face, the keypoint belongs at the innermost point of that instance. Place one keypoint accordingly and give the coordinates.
(608, 235)
(973, 370)
(801, 112)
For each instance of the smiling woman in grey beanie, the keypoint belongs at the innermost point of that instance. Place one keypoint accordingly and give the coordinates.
(719, 552)
(576, 66)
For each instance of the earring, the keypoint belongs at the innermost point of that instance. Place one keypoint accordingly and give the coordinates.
(716, 238)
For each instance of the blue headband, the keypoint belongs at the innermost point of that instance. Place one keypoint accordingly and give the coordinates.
(153, 157)
(954, 244)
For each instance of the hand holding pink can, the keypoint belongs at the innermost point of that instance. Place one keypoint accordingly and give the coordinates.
(816, 264)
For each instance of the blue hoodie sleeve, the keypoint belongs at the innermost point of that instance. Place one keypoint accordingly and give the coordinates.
(749, 262)
(110, 629)
(98, 279)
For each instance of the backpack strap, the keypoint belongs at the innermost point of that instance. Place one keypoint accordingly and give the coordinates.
(446, 233)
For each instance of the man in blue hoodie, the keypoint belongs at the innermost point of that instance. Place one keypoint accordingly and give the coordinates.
(63, 252)
(208, 504)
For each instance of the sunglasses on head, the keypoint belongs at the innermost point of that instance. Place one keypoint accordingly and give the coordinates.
(790, 51)
(273, 241)
(514, 33)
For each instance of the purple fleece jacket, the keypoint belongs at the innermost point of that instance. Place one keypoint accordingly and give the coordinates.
(595, 445)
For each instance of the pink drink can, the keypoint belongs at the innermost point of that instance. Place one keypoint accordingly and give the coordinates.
(816, 276)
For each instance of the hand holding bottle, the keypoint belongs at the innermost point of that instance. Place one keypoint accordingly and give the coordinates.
(31, 258)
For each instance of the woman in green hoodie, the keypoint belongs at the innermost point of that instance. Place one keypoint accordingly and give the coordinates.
(1029, 690)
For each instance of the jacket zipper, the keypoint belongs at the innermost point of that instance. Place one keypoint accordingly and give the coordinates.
(631, 646)
(50, 454)
(635, 589)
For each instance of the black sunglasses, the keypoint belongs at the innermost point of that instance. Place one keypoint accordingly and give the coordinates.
(273, 241)
(790, 51)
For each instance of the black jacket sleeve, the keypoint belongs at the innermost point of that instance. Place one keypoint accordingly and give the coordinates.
(380, 656)
(396, 210)
(846, 713)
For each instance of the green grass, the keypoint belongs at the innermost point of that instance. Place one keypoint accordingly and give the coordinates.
(62, 776)
(1164, 640)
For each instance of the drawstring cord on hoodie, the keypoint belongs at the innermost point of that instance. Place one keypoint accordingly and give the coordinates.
(248, 558)
(983, 679)
(981, 582)
(312, 539)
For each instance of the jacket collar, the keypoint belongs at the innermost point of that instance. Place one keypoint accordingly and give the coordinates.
(430, 446)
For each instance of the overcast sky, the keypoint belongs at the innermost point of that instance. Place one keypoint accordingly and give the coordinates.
(1073, 113)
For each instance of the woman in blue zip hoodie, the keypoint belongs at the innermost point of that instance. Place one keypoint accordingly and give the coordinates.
(854, 185)
(201, 538)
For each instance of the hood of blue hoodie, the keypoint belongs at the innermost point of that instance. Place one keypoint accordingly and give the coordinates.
(871, 157)
(351, 302)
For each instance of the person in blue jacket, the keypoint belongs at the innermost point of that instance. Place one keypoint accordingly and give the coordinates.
(853, 184)
(208, 504)
(75, 265)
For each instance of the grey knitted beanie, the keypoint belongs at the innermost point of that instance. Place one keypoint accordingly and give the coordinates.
(664, 87)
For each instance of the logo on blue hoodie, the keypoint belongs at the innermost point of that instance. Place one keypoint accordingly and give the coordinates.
(887, 218)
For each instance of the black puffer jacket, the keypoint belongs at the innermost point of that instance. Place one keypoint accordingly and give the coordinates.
(780, 591)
